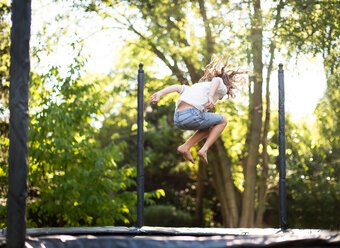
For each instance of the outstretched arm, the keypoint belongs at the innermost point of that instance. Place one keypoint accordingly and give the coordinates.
(173, 88)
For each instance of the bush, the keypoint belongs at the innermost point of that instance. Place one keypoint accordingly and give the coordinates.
(166, 215)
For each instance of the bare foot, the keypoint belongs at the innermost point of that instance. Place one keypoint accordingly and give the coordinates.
(186, 153)
(203, 155)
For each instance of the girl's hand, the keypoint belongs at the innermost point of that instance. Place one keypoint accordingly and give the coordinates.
(210, 104)
(155, 97)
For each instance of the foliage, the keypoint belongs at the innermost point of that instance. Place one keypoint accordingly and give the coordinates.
(4, 52)
(72, 181)
(81, 174)
(167, 215)
(310, 25)
(175, 40)
(312, 182)
(160, 135)
(4, 93)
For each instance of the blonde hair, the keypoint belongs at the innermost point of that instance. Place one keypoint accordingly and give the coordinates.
(230, 77)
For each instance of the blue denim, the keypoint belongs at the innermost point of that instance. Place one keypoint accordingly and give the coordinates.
(193, 119)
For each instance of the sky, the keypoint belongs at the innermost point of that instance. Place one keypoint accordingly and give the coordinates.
(305, 81)
(305, 85)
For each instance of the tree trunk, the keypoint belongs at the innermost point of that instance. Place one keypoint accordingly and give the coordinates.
(221, 167)
(218, 185)
(265, 157)
(248, 198)
(195, 78)
(225, 163)
(199, 194)
(208, 34)
(264, 175)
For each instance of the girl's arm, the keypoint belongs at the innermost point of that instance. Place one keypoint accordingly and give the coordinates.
(213, 88)
(173, 88)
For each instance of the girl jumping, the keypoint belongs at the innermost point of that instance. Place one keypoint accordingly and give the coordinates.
(194, 102)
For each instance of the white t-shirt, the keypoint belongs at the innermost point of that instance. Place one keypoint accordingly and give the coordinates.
(197, 94)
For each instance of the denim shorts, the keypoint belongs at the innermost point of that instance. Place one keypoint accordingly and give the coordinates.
(193, 119)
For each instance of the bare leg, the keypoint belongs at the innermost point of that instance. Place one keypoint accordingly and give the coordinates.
(194, 139)
(214, 133)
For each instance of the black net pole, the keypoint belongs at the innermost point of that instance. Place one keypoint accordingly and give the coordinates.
(282, 152)
(140, 149)
(18, 131)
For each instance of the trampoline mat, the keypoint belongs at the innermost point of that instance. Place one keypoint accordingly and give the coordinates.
(149, 237)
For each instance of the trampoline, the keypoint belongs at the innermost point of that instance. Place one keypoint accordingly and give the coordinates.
(149, 237)
(16, 234)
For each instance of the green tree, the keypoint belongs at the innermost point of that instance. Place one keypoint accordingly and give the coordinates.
(312, 27)
(167, 29)
(72, 181)
(181, 37)
(160, 135)
(312, 182)
(4, 93)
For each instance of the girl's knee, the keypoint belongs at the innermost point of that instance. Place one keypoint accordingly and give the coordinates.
(224, 121)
